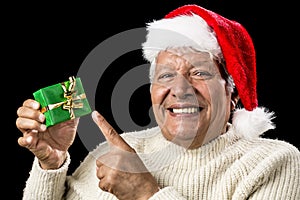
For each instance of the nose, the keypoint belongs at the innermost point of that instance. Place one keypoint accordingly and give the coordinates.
(181, 88)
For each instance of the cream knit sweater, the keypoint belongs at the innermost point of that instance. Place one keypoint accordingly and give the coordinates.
(226, 168)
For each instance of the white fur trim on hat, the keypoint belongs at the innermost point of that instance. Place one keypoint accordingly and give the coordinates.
(184, 30)
(250, 124)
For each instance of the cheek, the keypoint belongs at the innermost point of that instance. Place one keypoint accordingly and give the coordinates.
(218, 97)
(158, 94)
(211, 90)
(203, 89)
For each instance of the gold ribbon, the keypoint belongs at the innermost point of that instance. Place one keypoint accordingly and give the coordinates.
(70, 95)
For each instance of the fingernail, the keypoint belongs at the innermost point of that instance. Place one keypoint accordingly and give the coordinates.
(43, 127)
(41, 118)
(35, 105)
(28, 139)
(95, 116)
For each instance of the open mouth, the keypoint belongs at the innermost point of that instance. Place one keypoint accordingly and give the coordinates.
(186, 110)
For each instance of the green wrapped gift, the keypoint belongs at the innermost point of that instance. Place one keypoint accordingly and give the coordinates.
(63, 101)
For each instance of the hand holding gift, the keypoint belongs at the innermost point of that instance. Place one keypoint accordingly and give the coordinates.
(49, 123)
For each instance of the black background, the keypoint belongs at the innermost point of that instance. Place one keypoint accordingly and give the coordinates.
(48, 43)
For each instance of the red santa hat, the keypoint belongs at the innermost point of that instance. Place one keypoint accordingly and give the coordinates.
(204, 30)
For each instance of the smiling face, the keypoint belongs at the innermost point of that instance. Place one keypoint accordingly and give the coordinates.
(190, 99)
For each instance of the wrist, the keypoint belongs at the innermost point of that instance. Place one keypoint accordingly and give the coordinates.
(52, 164)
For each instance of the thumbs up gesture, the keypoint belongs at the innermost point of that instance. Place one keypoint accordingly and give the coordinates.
(120, 170)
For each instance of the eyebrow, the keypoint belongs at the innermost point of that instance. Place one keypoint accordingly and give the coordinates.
(200, 63)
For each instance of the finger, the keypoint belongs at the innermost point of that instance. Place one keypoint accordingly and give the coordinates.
(26, 112)
(30, 110)
(27, 140)
(24, 141)
(24, 124)
(100, 171)
(103, 185)
(31, 104)
(109, 132)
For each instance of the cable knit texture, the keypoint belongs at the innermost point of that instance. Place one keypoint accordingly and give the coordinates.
(228, 167)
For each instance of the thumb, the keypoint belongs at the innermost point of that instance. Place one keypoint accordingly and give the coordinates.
(110, 134)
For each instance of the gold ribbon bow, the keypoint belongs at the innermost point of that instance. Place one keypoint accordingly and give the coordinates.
(70, 95)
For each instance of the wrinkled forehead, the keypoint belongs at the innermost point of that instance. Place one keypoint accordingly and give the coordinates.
(182, 49)
(186, 54)
(185, 50)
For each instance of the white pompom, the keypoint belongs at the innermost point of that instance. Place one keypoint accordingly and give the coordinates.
(250, 124)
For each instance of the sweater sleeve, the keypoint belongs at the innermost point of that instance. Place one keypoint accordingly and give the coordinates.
(274, 177)
(167, 193)
(284, 182)
(46, 184)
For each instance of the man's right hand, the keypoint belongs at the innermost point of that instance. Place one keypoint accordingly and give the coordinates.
(49, 145)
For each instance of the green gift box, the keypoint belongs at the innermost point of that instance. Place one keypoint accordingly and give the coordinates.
(63, 101)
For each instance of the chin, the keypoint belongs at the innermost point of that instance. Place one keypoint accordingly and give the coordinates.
(180, 135)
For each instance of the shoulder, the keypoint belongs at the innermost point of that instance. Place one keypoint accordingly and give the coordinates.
(260, 145)
(282, 150)
(277, 146)
(269, 152)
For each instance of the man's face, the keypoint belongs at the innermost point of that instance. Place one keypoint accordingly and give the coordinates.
(190, 99)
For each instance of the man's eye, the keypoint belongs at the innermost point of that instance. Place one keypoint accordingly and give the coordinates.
(201, 75)
(166, 76)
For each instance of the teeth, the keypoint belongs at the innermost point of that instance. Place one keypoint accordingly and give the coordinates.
(185, 110)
